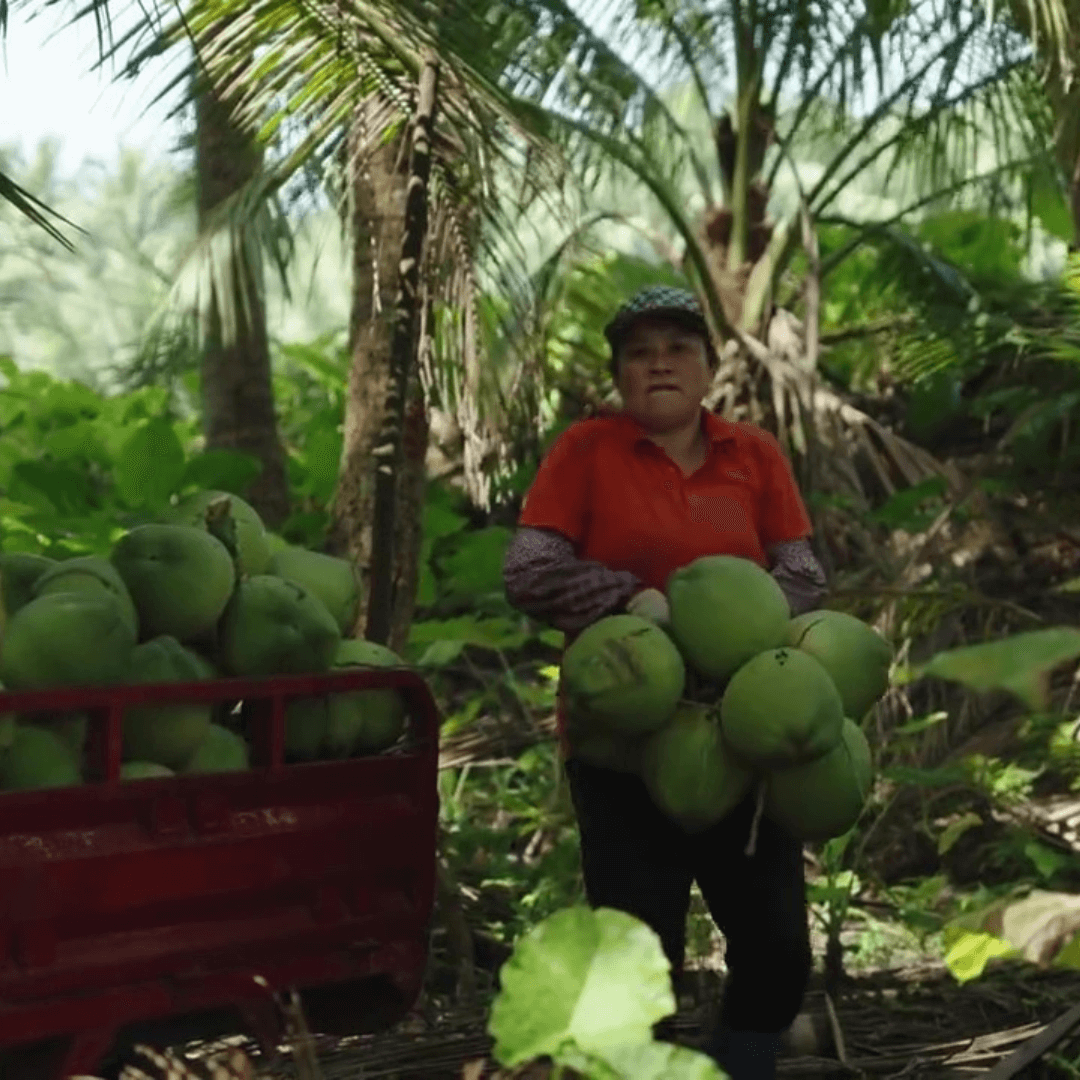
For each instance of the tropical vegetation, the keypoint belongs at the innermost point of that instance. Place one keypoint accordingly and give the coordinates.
(879, 205)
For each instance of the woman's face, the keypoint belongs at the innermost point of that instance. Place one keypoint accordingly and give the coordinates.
(663, 373)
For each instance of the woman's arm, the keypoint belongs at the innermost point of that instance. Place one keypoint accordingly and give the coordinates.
(798, 572)
(545, 579)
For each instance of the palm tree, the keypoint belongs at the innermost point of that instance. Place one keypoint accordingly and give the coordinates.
(778, 94)
(238, 397)
(956, 72)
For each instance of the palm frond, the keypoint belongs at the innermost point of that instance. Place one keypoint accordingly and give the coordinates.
(37, 211)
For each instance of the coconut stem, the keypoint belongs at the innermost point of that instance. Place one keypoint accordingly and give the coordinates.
(751, 845)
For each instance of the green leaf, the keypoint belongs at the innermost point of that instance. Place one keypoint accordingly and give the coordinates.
(906, 510)
(150, 465)
(939, 777)
(474, 566)
(441, 653)
(440, 521)
(969, 951)
(1046, 860)
(1040, 927)
(598, 979)
(222, 470)
(426, 592)
(1049, 205)
(498, 633)
(654, 1061)
(322, 459)
(49, 486)
(954, 830)
(1020, 664)
(921, 723)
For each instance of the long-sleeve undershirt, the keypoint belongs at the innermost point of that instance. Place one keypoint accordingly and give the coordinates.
(546, 580)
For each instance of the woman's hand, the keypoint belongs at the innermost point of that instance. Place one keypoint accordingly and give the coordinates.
(650, 604)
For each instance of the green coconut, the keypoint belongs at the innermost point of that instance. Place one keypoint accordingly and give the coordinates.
(38, 759)
(306, 724)
(276, 543)
(87, 573)
(623, 674)
(165, 734)
(221, 750)
(781, 708)
(70, 728)
(179, 577)
(144, 770)
(364, 721)
(724, 610)
(823, 798)
(7, 727)
(689, 772)
(66, 639)
(855, 655)
(252, 547)
(334, 581)
(276, 627)
(19, 575)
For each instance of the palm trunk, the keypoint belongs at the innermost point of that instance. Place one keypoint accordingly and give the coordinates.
(377, 222)
(238, 397)
(403, 364)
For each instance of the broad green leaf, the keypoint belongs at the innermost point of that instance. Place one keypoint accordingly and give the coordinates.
(49, 486)
(222, 470)
(1069, 957)
(150, 465)
(597, 979)
(322, 458)
(426, 591)
(554, 638)
(79, 440)
(1037, 927)
(474, 566)
(969, 951)
(1020, 664)
(1046, 860)
(440, 653)
(658, 1061)
(496, 633)
(440, 521)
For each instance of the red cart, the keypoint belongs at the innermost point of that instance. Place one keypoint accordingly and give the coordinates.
(173, 908)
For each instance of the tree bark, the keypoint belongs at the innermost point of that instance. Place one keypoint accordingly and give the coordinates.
(238, 396)
(378, 190)
(404, 368)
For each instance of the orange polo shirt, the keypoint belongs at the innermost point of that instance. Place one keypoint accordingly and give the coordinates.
(623, 502)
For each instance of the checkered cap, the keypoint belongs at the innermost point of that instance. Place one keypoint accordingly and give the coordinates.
(677, 304)
(665, 300)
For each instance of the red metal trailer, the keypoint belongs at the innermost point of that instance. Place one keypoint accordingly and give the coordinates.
(186, 901)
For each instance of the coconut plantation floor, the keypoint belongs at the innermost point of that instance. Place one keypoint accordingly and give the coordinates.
(902, 1021)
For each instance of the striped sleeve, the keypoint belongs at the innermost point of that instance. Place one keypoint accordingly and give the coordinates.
(795, 568)
(545, 579)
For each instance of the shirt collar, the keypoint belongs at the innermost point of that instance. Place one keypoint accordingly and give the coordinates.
(717, 429)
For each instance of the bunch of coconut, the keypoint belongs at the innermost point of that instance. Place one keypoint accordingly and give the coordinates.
(204, 594)
(733, 693)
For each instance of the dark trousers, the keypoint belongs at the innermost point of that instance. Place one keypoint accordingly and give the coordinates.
(637, 860)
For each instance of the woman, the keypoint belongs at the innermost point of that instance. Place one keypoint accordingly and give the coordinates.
(620, 501)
